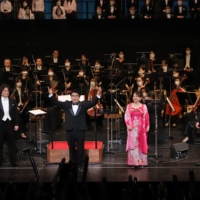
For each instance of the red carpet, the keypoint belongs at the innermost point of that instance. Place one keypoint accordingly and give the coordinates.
(64, 145)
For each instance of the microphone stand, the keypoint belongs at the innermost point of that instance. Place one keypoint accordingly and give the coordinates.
(169, 134)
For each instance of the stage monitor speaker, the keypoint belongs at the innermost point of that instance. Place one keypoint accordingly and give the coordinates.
(179, 150)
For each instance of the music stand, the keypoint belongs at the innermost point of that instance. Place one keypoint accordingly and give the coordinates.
(38, 115)
(155, 103)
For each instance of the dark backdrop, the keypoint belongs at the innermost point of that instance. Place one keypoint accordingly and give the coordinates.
(95, 38)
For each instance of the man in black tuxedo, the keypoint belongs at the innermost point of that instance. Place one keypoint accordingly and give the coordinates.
(194, 8)
(180, 10)
(75, 123)
(8, 123)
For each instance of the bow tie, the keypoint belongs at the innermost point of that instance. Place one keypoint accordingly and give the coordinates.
(75, 104)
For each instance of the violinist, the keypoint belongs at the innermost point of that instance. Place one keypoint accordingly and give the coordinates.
(175, 103)
(84, 64)
(139, 84)
(146, 95)
(68, 76)
(152, 60)
(26, 80)
(21, 96)
(97, 69)
(119, 62)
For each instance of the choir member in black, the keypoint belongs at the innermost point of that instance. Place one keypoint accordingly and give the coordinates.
(189, 121)
(99, 14)
(100, 4)
(194, 8)
(68, 76)
(189, 66)
(132, 3)
(164, 4)
(132, 13)
(21, 97)
(112, 10)
(168, 14)
(6, 10)
(119, 62)
(180, 10)
(146, 10)
(26, 80)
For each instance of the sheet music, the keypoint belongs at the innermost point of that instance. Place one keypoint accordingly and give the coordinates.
(37, 112)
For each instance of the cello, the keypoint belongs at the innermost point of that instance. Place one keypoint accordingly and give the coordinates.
(174, 102)
(92, 94)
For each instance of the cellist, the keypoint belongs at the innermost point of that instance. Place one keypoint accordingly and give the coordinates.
(174, 113)
(90, 93)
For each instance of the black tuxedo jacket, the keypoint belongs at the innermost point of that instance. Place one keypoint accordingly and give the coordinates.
(129, 16)
(77, 121)
(144, 11)
(13, 112)
(176, 11)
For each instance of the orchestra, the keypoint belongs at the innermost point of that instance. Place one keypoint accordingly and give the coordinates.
(117, 77)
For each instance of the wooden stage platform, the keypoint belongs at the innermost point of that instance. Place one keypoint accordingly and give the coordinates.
(114, 166)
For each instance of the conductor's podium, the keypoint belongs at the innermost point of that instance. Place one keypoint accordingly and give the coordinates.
(61, 150)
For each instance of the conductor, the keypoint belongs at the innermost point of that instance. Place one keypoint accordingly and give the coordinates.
(75, 123)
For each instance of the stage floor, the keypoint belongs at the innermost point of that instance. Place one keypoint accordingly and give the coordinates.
(114, 166)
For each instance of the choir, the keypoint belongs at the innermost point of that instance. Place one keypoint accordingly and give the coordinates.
(103, 9)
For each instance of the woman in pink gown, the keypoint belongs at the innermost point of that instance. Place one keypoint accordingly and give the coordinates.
(137, 122)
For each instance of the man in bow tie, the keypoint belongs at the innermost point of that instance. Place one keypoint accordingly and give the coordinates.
(75, 123)
(9, 121)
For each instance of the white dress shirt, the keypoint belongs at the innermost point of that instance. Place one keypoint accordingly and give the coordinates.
(38, 5)
(180, 9)
(6, 6)
(187, 63)
(5, 104)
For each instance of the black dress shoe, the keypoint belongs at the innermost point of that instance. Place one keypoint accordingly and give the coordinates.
(15, 165)
(81, 169)
(198, 164)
